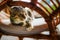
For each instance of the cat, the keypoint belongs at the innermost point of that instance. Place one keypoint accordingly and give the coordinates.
(21, 17)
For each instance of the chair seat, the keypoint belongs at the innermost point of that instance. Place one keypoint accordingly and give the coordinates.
(39, 26)
(47, 32)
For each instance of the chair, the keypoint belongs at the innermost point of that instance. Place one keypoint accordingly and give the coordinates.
(52, 18)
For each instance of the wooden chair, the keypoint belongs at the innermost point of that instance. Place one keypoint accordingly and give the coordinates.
(52, 18)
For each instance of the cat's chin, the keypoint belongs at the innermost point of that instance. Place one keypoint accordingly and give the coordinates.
(17, 24)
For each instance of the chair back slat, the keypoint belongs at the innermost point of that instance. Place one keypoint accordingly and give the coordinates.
(58, 2)
(34, 1)
(48, 5)
(44, 9)
(53, 3)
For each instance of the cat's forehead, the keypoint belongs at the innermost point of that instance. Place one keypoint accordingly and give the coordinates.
(18, 9)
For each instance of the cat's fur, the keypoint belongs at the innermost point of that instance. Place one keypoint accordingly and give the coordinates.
(22, 17)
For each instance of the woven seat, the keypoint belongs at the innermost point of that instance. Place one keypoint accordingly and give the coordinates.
(51, 16)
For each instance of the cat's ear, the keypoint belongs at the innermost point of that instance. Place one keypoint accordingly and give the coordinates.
(10, 9)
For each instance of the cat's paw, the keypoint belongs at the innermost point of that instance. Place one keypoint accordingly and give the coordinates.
(29, 28)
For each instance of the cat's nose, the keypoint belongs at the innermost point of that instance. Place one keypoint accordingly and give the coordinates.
(21, 23)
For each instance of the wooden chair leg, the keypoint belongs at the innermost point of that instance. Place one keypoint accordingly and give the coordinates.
(52, 30)
(0, 35)
(20, 38)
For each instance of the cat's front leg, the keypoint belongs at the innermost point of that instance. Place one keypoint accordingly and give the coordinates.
(29, 26)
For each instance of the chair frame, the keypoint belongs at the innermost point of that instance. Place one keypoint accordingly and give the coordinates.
(49, 19)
